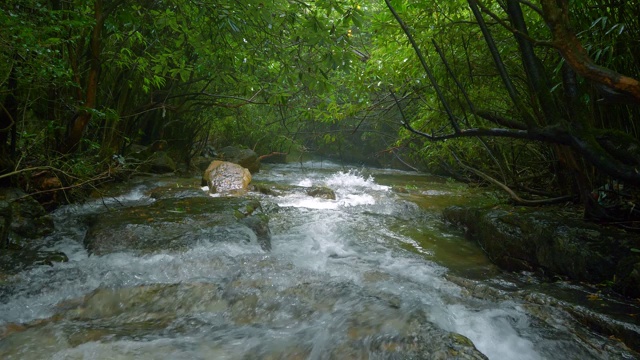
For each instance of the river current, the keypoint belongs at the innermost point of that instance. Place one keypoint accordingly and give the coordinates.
(361, 266)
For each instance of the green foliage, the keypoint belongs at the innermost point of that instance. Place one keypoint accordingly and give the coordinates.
(284, 75)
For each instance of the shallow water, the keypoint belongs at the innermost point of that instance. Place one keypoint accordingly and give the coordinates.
(343, 277)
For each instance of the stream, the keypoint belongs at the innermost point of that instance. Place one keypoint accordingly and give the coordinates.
(373, 274)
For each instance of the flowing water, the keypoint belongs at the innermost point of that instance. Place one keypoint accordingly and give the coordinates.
(346, 278)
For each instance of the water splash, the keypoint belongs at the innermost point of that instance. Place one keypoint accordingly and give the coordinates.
(351, 189)
(353, 179)
(331, 259)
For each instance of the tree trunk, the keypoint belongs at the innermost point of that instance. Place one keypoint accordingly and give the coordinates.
(8, 116)
(536, 75)
(81, 120)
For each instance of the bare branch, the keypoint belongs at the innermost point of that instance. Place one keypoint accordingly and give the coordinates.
(514, 197)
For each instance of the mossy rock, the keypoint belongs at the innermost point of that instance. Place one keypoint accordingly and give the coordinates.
(177, 224)
(16, 259)
(321, 192)
(552, 243)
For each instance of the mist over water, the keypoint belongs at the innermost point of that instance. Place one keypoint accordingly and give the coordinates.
(334, 264)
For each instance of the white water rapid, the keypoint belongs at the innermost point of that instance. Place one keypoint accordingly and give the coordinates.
(359, 267)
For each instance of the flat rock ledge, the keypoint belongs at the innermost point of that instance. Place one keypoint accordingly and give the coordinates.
(177, 224)
(554, 244)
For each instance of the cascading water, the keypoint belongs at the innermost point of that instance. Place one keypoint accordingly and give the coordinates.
(346, 278)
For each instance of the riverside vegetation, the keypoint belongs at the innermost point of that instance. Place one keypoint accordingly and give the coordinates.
(539, 100)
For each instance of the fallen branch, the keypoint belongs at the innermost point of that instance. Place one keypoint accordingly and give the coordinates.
(404, 162)
(514, 197)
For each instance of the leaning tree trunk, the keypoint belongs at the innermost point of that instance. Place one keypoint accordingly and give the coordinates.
(556, 14)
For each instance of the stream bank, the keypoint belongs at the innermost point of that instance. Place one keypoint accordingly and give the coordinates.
(553, 244)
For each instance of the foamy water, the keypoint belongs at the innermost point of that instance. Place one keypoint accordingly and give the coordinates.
(349, 243)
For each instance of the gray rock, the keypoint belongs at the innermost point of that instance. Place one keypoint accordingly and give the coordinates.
(321, 192)
(153, 158)
(259, 224)
(246, 158)
(225, 177)
(23, 218)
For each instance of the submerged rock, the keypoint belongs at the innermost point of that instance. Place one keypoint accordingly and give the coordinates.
(259, 224)
(553, 244)
(620, 338)
(289, 321)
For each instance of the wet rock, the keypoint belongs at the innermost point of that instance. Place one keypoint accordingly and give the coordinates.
(16, 259)
(153, 158)
(247, 307)
(246, 158)
(620, 338)
(175, 224)
(552, 244)
(264, 189)
(161, 162)
(200, 162)
(22, 217)
(628, 275)
(225, 177)
(260, 226)
(178, 189)
(321, 192)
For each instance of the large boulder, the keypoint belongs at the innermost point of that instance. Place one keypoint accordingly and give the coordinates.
(246, 158)
(226, 177)
(553, 244)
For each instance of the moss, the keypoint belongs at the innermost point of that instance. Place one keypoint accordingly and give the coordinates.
(555, 244)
